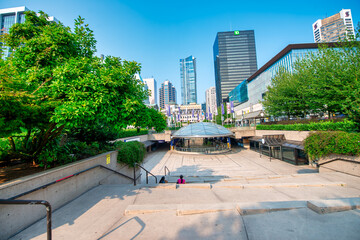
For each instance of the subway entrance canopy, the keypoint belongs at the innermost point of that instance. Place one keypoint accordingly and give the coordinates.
(202, 137)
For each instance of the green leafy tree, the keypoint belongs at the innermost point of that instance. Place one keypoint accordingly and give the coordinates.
(53, 81)
(284, 96)
(157, 120)
(326, 81)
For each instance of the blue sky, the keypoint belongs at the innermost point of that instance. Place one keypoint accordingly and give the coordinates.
(157, 33)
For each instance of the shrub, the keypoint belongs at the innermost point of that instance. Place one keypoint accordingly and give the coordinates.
(346, 125)
(319, 144)
(130, 152)
(131, 132)
(98, 133)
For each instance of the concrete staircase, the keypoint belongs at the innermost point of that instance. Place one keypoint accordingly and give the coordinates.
(247, 195)
(213, 207)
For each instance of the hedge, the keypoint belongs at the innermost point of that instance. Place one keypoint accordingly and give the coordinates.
(346, 125)
(319, 144)
(132, 132)
(130, 152)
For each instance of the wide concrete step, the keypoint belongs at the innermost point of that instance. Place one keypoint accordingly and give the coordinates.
(307, 177)
(233, 184)
(248, 208)
(334, 205)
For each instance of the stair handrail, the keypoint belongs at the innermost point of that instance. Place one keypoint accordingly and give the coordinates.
(147, 174)
(166, 168)
(34, 202)
(70, 176)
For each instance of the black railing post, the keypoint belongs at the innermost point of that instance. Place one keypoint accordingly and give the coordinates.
(134, 174)
(48, 219)
(31, 202)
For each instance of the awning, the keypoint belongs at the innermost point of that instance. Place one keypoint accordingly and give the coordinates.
(256, 114)
(293, 144)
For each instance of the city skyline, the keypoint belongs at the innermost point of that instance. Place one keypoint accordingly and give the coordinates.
(158, 34)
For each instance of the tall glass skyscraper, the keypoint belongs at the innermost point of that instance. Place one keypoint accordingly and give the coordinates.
(234, 60)
(188, 80)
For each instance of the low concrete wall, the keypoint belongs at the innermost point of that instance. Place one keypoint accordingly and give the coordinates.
(352, 168)
(14, 218)
(289, 135)
(244, 133)
(142, 138)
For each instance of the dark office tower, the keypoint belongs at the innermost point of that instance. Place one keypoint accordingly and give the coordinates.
(188, 80)
(234, 60)
(167, 94)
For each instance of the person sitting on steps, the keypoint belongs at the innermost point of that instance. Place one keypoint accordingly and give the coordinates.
(181, 180)
(163, 180)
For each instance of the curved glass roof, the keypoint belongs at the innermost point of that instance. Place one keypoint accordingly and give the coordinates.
(202, 130)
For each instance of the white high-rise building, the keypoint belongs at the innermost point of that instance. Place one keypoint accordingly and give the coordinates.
(138, 77)
(151, 84)
(210, 95)
(10, 16)
(333, 28)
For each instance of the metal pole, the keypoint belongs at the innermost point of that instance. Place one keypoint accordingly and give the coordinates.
(134, 175)
(31, 202)
(147, 178)
(270, 152)
(48, 220)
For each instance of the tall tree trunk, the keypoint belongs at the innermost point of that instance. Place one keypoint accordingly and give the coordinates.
(12, 143)
(49, 135)
(26, 139)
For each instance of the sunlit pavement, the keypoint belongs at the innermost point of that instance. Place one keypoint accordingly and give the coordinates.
(271, 195)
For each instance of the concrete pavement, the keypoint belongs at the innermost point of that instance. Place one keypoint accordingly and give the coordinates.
(235, 196)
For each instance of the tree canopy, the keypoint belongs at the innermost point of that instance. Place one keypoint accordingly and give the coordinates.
(323, 82)
(53, 80)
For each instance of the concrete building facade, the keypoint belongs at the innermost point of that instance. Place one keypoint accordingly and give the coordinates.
(191, 113)
(167, 94)
(152, 87)
(188, 80)
(210, 95)
(234, 60)
(333, 28)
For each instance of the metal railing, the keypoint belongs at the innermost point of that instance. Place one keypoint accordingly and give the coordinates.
(147, 174)
(47, 204)
(166, 168)
(34, 202)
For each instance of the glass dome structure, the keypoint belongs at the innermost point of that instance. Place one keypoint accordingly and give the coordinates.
(202, 130)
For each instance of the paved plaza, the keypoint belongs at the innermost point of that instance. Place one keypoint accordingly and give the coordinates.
(238, 195)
